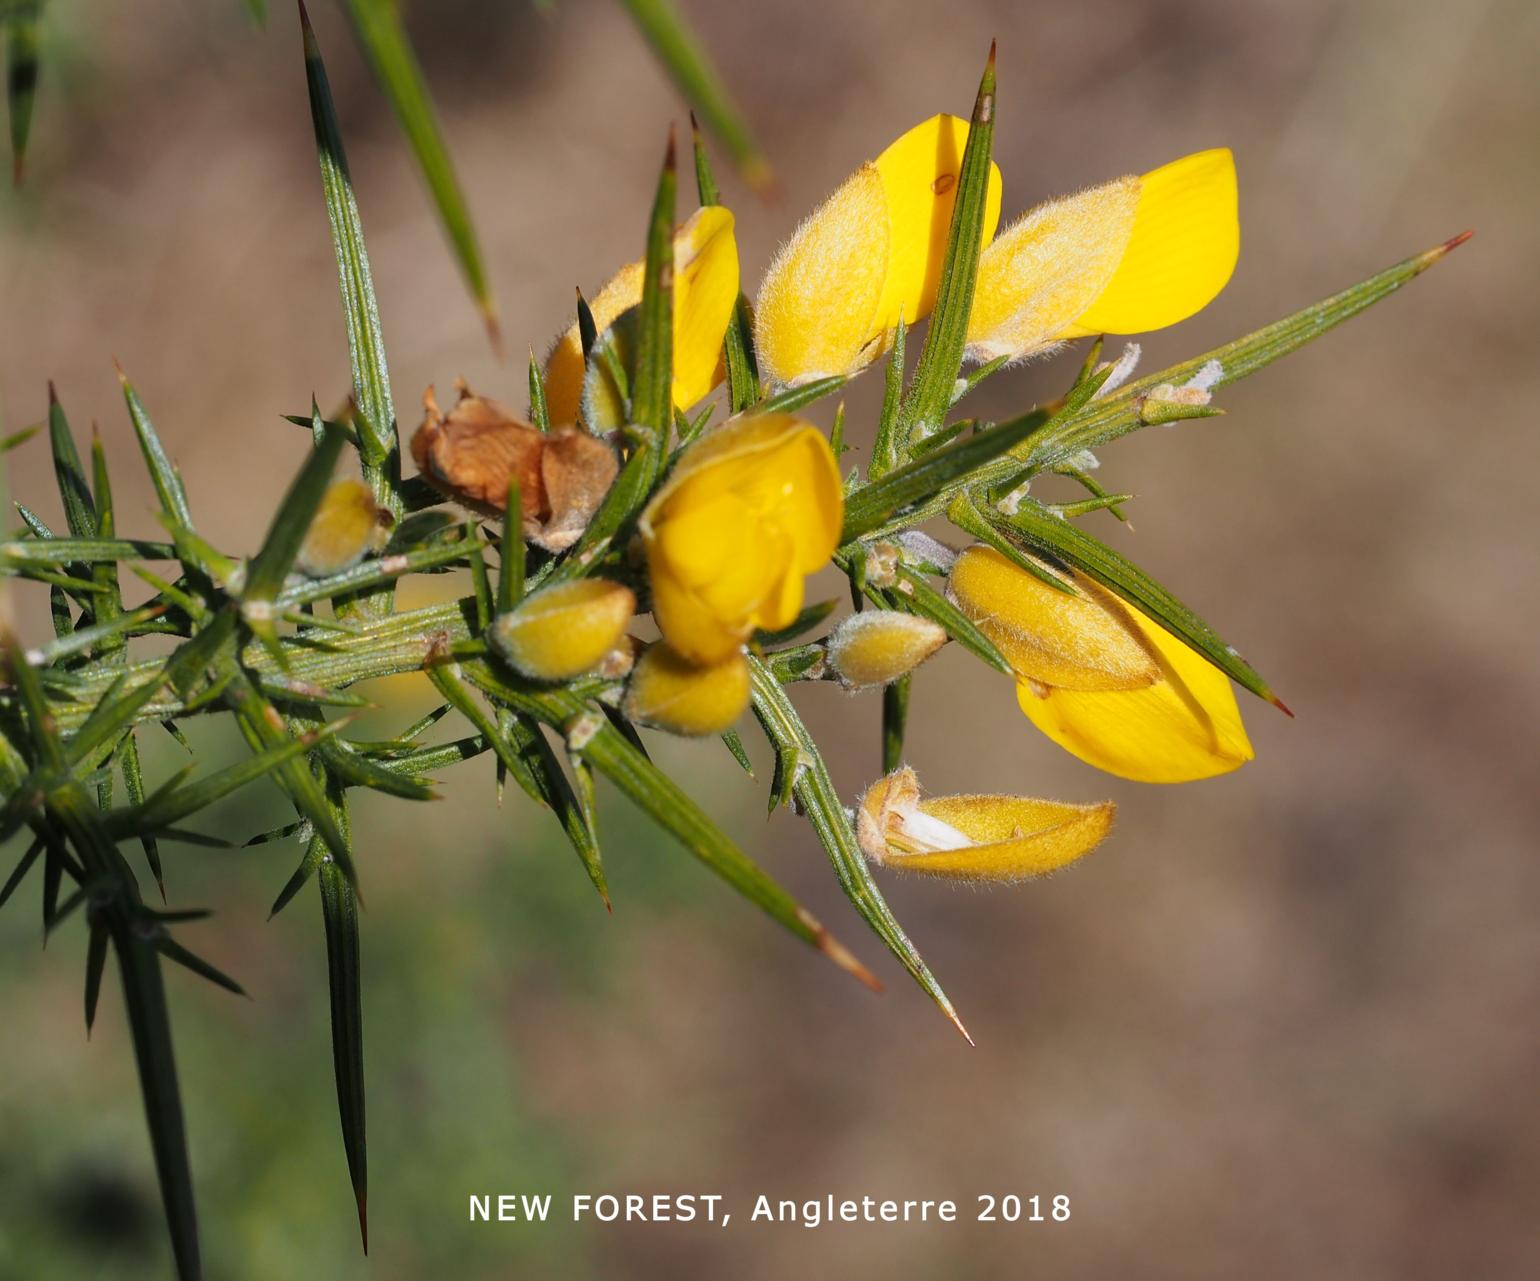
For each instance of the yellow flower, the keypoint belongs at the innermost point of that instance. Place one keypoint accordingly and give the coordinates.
(1106, 683)
(746, 513)
(974, 838)
(566, 630)
(669, 692)
(868, 256)
(705, 291)
(1129, 256)
(877, 646)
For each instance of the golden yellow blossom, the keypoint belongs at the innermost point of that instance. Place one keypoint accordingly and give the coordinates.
(974, 838)
(566, 630)
(1106, 683)
(1135, 254)
(670, 692)
(880, 645)
(705, 291)
(869, 256)
(747, 513)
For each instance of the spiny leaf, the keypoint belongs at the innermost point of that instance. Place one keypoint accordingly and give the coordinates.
(339, 910)
(163, 472)
(791, 399)
(1071, 544)
(895, 717)
(366, 347)
(290, 524)
(959, 463)
(814, 791)
(658, 796)
(737, 345)
(174, 951)
(21, 73)
(1120, 413)
(690, 66)
(96, 962)
(389, 51)
(930, 394)
(652, 401)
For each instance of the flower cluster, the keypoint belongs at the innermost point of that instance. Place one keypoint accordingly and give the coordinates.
(753, 507)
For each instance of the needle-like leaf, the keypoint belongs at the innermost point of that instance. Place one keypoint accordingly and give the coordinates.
(389, 50)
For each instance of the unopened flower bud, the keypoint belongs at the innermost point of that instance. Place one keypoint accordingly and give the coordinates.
(565, 630)
(974, 838)
(347, 524)
(671, 693)
(880, 645)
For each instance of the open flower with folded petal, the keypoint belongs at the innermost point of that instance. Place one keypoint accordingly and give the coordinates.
(868, 257)
(974, 838)
(705, 291)
(1132, 255)
(747, 513)
(1102, 680)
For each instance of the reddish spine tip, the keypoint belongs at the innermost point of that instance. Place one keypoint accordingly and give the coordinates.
(991, 65)
(1281, 706)
(671, 156)
(694, 123)
(1454, 242)
(53, 395)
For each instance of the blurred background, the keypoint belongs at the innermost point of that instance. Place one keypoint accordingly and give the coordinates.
(1282, 1025)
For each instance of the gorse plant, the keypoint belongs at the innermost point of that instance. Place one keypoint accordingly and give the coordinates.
(621, 495)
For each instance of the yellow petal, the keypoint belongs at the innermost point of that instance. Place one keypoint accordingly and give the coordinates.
(705, 290)
(1184, 727)
(1185, 241)
(868, 256)
(976, 838)
(563, 631)
(745, 514)
(1128, 256)
(816, 313)
(1088, 641)
(670, 692)
(919, 173)
(1047, 268)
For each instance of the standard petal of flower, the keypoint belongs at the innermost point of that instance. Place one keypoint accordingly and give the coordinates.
(1186, 238)
(817, 309)
(705, 289)
(1048, 268)
(1089, 641)
(1184, 727)
(919, 175)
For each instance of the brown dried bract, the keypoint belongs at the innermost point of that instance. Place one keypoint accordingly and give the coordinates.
(470, 454)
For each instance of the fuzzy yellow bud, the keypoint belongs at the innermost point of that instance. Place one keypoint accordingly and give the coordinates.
(746, 514)
(868, 257)
(705, 292)
(1131, 255)
(880, 645)
(347, 524)
(566, 630)
(1105, 682)
(669, 692)
(974, 838)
